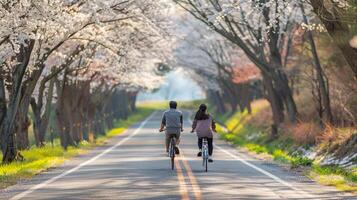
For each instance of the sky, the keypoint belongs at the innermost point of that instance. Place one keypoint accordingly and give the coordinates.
(178, 86)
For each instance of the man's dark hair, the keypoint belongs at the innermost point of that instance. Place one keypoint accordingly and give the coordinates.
(173, 104)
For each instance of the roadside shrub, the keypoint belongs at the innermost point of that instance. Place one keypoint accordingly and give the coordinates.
(337, 141)
(228, 136)
(281, 156)
(256, 148)
(301, 161)
(328, 135)
(305, 133)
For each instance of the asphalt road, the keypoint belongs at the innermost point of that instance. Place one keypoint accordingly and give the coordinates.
(134, 166)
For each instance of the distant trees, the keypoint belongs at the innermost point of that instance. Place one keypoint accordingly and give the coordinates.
(215, 60)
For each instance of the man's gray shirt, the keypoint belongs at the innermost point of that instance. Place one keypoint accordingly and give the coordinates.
(173, 121)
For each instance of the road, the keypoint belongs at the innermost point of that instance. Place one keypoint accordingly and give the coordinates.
(134, 166)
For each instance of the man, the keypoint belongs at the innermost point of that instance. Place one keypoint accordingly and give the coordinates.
(172, 120)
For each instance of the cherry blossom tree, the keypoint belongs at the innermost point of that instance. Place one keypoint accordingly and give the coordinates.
(260, 29)
(43, 41)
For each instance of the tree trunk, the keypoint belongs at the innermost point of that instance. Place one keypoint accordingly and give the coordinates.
(132, 99)
(220, 104)
(61, 120)
(325, 97)
(76, 126)
(41, 121)
(245, 96)
(123, 105)
(230, 92)
(99, 125)
(287, 96)
(215, 97)
(276, 104)
(2, 98)
(280, 79)
(45, 120)
(8, 140)
(36, 122)
(22, 124)
(91, 135)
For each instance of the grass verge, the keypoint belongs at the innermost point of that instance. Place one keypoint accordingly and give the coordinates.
(41, 159)
(240, 131)
(163, 105)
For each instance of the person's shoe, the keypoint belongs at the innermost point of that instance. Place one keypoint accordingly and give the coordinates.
(199, 154)
(177, 150)
(210, 160)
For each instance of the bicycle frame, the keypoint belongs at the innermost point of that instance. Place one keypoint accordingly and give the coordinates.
(205, 154)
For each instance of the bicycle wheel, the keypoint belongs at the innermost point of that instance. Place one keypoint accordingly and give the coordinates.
(173, 163)
(206, 164)
(172, 154)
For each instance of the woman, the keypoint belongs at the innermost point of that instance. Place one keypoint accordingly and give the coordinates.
(204, 126)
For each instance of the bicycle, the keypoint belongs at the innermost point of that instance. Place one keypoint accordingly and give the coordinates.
(172, 150)
(205, 153)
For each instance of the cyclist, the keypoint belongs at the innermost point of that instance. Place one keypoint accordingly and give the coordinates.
(172, 120)
(204, 125)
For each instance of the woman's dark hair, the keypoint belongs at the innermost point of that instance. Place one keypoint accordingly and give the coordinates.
(201, 113)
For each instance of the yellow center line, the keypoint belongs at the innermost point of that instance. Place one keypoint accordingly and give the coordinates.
(195, 187)
(181, 179)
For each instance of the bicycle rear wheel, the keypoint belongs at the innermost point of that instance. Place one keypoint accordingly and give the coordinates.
(172, 163)
(172, 154)
(206, 163)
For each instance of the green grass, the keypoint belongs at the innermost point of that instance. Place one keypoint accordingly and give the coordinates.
(191, 105)
(341, 178)
(41, 159)
(162, 105)
(156, 105)
(36, 161)
(242, 134)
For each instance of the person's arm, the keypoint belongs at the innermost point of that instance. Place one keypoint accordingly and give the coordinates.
(214, 125)
(194, 124)
(163, 123)
(181, 121)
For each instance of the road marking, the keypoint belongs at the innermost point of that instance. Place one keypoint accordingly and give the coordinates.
(277, 179)
(270, 175)
(43, 184)
(182, 183)
(195, 187)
